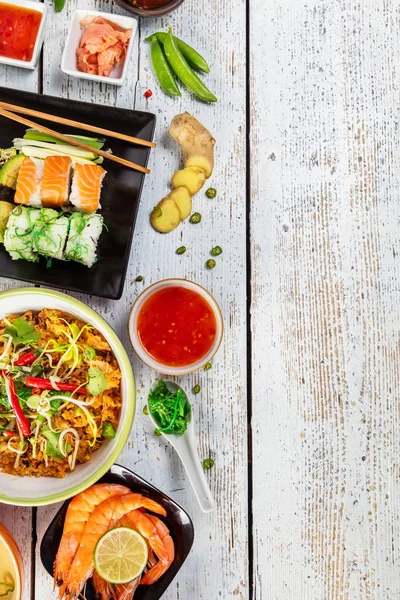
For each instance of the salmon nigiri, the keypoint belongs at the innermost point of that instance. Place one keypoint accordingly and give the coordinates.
(28, 182)
(56, 181)
(86, 187)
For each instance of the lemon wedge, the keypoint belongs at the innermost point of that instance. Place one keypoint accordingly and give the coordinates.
(120, 555)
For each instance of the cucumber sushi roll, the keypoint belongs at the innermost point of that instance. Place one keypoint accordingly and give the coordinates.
(50, 233)
(84, 233)
(18, 237)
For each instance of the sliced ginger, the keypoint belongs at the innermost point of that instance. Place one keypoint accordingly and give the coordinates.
(198, 147)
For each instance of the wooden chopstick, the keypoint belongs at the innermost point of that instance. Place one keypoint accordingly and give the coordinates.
(62, 121)
(72, 141)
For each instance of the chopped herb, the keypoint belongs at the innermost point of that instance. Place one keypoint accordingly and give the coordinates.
(22, 332)
(181, 250)
(89, 353)
(208, 463)
(53, 443)
(108, 431)
(196, 389)
(211, 193)
(139, 278)
(97, 382)
(216, 251)
(145, 409)
(195, 218)
(210, 263)
(207, 366)
(170, 410)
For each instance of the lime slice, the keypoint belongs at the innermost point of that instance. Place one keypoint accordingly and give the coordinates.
(120, 555)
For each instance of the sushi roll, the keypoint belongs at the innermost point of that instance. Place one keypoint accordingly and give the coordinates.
(86, 187)
(56, 181)
(29, 182)
(84, 233)
(50, 233)
(18, 237)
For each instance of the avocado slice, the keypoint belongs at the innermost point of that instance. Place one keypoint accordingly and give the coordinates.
(6, 154)
(5, 210)
(9, 171)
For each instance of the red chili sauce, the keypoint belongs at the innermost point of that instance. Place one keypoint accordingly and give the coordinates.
(176, 326)
(18, 31)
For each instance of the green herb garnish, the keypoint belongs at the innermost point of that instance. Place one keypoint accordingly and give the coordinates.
(170, 410)
(208, 463)
(108, 431)
(22, 332)
(97, 382)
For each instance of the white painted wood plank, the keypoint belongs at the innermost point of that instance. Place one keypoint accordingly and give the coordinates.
(217, 566)
(19, 520)
(325, 312)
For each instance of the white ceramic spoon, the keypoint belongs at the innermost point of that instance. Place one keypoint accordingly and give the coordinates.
(185, 446)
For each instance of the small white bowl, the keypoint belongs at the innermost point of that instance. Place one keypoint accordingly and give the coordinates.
(69, 63)
(140, 350)
(41, 8)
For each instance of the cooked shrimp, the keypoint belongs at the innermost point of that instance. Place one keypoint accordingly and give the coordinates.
(104, 516)
(161, 566)
(141, 523)
(126, 591)
(103, 590)
(77, 515)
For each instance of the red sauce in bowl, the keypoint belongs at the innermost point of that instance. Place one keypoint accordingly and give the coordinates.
(176, 326)
(19, 28)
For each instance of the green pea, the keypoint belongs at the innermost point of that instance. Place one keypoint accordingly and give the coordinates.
(210, 264)
(181, 250)
(196, 389)
(195, 218)
(184, 72)
(211, 193)
(216, 251)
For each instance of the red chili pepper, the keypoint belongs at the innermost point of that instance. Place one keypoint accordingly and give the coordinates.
(8, 433)
(148, 94)
(26, 359)
(21, 419)
(46, 384)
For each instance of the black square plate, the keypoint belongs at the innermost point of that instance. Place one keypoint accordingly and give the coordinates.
(119, 198)
(178, 521)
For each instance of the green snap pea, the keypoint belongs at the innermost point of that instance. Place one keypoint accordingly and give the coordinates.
(184, 72)
(162, 70)
(191, 55)
(59, 5)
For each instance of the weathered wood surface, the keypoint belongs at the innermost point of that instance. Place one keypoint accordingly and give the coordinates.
(217, 566)
(325, 215)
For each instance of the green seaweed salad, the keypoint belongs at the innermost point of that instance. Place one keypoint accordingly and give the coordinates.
(170, 410)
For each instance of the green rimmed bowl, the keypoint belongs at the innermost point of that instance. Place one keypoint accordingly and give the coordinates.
(38, 491)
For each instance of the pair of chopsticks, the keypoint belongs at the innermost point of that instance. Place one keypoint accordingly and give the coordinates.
(9, 110)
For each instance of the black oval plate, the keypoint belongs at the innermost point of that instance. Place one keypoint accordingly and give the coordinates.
(177, 519)
(120, 194)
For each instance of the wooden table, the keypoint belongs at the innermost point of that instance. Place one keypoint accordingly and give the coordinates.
(300, 409)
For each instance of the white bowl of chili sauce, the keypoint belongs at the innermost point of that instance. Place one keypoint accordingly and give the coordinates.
(175, 326)
(21, 32)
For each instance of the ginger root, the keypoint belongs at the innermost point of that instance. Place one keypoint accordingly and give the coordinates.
(198, 147)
